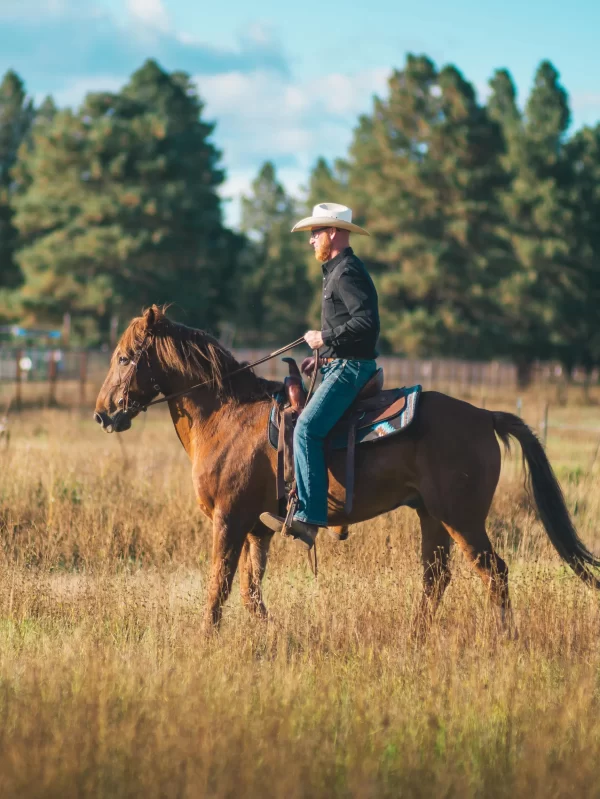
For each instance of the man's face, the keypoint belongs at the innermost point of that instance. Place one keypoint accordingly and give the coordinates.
(320, 240)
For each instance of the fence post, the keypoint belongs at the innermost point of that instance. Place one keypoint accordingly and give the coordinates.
(52, 375)
(83, 363)
(519, 406)
(545, 424)
(114, 330)
(18, 380)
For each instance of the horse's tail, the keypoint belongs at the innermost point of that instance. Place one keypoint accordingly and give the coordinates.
(548, 496)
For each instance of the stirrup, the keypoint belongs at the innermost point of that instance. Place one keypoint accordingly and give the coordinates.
(286, 530)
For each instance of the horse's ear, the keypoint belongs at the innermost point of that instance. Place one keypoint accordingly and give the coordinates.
(150, 317)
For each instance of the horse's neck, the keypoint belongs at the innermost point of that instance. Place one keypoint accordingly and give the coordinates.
(203, 422)
(192, 415)
(203, 419)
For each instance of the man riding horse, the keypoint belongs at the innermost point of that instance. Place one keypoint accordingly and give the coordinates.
(346, 344)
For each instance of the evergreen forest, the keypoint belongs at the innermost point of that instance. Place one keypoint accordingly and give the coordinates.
(484, 218)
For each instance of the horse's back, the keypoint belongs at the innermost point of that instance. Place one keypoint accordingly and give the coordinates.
(441, 412)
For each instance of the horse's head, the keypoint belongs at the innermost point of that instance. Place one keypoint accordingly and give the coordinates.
(130, 384)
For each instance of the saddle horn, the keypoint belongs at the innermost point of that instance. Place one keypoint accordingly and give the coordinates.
(294, 386)
(293, 367)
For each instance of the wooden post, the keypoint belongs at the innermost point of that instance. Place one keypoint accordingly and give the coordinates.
(545, 424)
(519, 406)
(114, 330)
(83, 363)
(18, 380)
(52, 376)
(66, 329)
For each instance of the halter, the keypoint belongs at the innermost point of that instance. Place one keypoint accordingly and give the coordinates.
(124, 402)
(125, 405)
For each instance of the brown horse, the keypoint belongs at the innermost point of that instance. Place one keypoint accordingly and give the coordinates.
(446, 465)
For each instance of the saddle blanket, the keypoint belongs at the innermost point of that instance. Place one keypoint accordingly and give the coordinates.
(367, 430)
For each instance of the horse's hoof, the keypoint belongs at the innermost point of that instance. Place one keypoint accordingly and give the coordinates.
(210, 628)
(338, 533)
(511, 634)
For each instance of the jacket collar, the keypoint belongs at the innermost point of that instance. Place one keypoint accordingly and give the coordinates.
(328, 266)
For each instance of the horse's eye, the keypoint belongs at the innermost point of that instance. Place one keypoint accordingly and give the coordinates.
(123, 360)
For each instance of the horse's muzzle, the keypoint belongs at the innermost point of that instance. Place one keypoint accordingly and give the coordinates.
(118, 423)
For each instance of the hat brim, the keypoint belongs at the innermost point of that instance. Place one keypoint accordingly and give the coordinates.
(324, 221)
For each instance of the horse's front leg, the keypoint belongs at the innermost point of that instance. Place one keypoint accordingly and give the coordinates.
(339, 533)
(228, 540)
(252, 569)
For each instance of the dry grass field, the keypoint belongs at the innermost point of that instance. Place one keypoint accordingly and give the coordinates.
(108, 689)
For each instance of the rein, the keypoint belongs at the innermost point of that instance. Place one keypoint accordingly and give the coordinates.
(144, 349)
(139, 406)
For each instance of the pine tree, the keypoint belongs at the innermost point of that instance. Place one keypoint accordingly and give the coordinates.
(580, 310)
(122, 208)
(425, 171)
(46, 112)
(537, 213)
(16, 114)
(502, 108)
(275, 293)
(502, 104)
(327, 183)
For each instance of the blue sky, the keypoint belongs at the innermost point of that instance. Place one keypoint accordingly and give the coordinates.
(287, 81)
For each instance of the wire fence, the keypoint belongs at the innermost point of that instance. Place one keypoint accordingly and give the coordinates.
(73, 376)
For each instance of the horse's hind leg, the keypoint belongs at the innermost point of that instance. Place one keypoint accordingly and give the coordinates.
(490, 567)
(435, 554)
(253, 563)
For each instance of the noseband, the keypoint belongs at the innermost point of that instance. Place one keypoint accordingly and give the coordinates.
(124, 403)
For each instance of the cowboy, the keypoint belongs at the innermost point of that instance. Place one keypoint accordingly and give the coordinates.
(346, 344)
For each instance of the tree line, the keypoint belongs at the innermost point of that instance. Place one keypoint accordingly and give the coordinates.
(484, 217)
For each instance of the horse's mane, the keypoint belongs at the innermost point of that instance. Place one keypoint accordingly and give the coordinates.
(194, 354)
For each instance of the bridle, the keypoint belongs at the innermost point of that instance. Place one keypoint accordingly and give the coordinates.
(126, 405)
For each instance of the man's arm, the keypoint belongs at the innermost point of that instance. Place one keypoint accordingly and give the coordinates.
(357, 295)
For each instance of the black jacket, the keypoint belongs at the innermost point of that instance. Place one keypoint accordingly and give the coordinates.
(349, 313)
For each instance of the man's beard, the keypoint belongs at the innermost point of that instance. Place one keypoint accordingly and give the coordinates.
(323, 249)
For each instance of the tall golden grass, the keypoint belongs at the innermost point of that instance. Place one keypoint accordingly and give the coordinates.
(108, 689)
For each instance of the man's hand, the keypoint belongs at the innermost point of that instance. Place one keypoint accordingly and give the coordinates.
(314, 339)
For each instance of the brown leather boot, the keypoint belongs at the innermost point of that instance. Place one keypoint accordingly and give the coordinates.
(301, 531)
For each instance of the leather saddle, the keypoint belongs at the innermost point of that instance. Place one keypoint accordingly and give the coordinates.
(371, 409)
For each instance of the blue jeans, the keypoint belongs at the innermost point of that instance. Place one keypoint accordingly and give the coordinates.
(341, 384)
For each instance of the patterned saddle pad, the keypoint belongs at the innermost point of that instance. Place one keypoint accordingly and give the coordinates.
(389, 413)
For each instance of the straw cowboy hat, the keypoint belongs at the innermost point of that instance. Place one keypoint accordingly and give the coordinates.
(330, 215)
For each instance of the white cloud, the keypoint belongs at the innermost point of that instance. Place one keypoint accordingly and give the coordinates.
(262, 115)
(149, 12)
(263, 93)
(346, 94)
